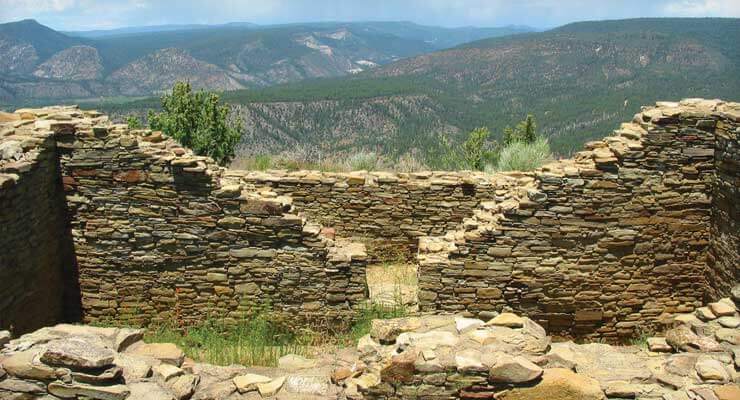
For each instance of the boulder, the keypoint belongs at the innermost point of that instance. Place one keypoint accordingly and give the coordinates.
(247, 383)
(530, 339)
(10, 150)
(77, 354)
(134, 368)
(4, 338)
(464, 325)
(149, 391)
(559, 356)
(723, 308)
(705, 314)
(183, 386)
(386, 331)
(727, 392)
(125, 337)
(71, 390)
(366, 346)
(293, 362)
(731, 336)
(340, 374)
(659, 345)
(365, 381)
(20, 386)
(271, 388)
(681, 364)
(684, 339)
(513, 370)
(508, 320)
(607, 363)
(729, 322)
(468, 361)
(215, 391)
(400, 368)
(712, 370)
(23, 365)
(106, 377)
(167, 371)
(557, 384)
(165, 352)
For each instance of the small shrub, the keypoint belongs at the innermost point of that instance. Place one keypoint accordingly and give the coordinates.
(367, 161)
(409, 163)
(262, 162)
(522, 156)
(133, 122)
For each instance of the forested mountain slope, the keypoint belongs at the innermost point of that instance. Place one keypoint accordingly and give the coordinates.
(579, 80)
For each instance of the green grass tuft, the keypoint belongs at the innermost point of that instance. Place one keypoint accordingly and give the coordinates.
(253, 341)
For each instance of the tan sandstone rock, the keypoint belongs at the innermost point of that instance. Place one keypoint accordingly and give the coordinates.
(165, 352)
(508, 320)
(248, 382)
(558, 384)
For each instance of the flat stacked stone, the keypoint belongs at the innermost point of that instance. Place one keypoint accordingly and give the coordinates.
(617, 238)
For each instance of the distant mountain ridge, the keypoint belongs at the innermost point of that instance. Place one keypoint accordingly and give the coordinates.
(38, 63)
(579, 80)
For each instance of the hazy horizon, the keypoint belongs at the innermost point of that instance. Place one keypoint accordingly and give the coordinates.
(81, 15)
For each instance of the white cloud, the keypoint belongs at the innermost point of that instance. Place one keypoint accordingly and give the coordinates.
(703, 8)
(12, 8)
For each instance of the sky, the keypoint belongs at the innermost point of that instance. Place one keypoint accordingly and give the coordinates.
(105, 14)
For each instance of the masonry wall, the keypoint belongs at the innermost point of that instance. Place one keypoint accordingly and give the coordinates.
(724, 257)
(36, 261)
(160, 236)
(387, 211)
(606, 244)
(640, 225)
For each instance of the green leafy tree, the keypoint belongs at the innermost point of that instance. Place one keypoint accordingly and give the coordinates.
(199, 121)
(133, 122)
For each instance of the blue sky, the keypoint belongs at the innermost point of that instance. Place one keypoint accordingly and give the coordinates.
(102, 14)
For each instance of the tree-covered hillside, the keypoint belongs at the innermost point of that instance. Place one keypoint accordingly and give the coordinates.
(580, 81)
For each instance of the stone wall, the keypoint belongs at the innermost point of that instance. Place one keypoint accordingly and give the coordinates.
(641, 225)
(603, 245)
(724, 257)
(36, 261)
(388, 211)
(160, 236)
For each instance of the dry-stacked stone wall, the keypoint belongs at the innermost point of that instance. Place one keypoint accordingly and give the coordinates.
(724, 257)
(605, 244)
(387, 211)
(640, 225)
(160, 236)
(35, 253)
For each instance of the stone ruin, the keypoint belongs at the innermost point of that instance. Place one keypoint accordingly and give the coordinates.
(104, 224)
